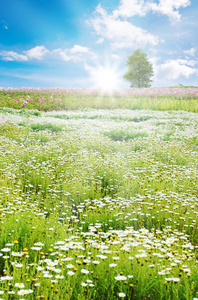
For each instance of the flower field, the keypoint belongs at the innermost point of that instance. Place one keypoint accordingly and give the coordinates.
(78, 99)
(99, 194)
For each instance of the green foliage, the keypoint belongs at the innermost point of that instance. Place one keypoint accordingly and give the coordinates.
(13, 131)
(140, 70)
(48, 126)
(121, 135)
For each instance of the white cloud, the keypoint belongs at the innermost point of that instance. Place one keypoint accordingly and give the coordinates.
(115, 56)
(37, 52)
(100, 41)
(12, 56)
(75, 54)
(190, 52)
(130, 8)
(187, 62)
(173, 69)
(62, 54)
(121, 34)
(170, 8)
(79, 49)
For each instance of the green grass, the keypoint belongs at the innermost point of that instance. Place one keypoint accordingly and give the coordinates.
(66, 100)
(121, 135)
(46, 126)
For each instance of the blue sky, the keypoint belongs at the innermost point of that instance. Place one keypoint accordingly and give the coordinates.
(85, 44)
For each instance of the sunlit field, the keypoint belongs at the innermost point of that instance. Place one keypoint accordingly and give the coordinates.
(78, 99)
(99, 194)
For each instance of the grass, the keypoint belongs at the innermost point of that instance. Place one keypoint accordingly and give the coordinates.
(48, 126)
(100, 204)
(162, 99)
(121, 135)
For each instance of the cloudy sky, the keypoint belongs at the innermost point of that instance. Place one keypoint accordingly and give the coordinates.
(82, 44)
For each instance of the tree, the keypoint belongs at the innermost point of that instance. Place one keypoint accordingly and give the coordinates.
(140, 70)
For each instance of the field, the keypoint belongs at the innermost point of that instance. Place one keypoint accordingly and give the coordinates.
(99, 194)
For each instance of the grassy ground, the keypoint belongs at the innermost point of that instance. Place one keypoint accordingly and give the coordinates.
(77, 99)
(99, 204)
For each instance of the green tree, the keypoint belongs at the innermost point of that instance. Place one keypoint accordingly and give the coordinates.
(140, 70)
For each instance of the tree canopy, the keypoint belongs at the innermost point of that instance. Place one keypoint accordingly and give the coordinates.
(140, 70)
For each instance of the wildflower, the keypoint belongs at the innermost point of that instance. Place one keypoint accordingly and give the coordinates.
(70, 266)
(24, 292)
(70, 273)
(19, 285)
(6, 278)
(38, 244)
(54, 281)
(122, 295)
(112, 265)
(115, 257)
(39, 268)
(47, 275)
(89, 281)
(57, 270)
(83, 271)
(120, 277)
(37, 284)
(5, 249)
(36, 248)
(172, 279)
(176, 279)
(18, 265)
(187, 270)
(84, 284)
(11, 292)
(62, 276)
(102, 256)
(95, 262)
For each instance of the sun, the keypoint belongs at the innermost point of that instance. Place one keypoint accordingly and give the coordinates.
(106, 79)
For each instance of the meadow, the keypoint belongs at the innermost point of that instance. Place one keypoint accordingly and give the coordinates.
(99, 194)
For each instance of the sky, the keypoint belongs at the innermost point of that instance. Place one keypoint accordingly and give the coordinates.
(85, 44)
